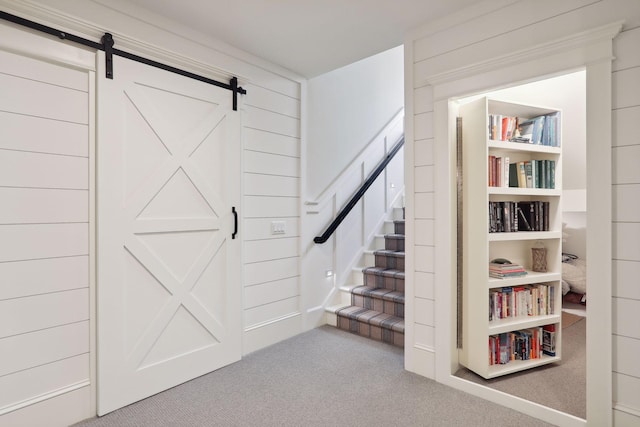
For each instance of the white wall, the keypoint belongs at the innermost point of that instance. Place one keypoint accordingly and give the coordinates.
(626, 223)
(346, 109)
(46, 155)
(474, 40)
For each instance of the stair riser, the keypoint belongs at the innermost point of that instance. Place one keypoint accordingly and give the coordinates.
(389, 227)
(394, 244)
(383, 261)
(345, 298)
(391, 283)
(398, 213)
(369, 259)
(383, 306)
(398, 228)
(371, 331)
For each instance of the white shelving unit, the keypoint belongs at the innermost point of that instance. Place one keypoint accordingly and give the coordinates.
(480, 246)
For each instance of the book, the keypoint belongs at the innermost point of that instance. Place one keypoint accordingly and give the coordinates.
(547, 174)
(525, 129)
(533, 129)
(501, 271)
(546, 206)
(490, 169)
(513, 175)
(549, 340)
(505, 357)
(522, 175)
(506, 172)
(551, 136)
(502, 128)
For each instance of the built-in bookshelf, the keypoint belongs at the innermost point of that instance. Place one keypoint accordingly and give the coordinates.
(512, 195)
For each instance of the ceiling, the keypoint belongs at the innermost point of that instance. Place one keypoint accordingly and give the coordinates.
(309, 37)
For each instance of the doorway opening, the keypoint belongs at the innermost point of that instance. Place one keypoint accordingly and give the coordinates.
(561, 385)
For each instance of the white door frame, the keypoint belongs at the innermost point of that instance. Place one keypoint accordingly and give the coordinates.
(593, 51)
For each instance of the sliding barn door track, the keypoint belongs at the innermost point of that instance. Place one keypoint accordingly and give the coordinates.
(107, 44)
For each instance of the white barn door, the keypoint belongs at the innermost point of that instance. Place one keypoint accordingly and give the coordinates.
(169, 290)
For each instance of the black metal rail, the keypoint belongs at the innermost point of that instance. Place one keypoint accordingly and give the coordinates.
(106, 45)
(358, 195)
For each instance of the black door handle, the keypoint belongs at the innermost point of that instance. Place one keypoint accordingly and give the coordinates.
(235, 222)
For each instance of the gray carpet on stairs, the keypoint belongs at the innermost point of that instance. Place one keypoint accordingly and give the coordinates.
(325, 377)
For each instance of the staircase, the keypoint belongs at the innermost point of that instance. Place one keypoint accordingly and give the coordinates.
(376, 307)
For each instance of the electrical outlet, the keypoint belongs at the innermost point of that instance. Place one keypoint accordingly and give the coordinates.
(278, 227)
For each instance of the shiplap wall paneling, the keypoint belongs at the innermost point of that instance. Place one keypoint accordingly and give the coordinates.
(42, 135)
(265, 250)
(271, 164)
(268, 312)
(272, 100)
(37, 241)
(75, 110)
(34, 277)
(423, 226)
(272, 143)
(271, 188)
(626, 391)
(37, 206)
(266, 293)
(35, 170)
(457, 46)
(277, 186)
(44, 379)
(626, 351)
(75, 403)
(441, 42)
(626, 228)
(33, 313)
(271, 121)
(260, 228)
(42, 346)
(269, 271)
(44, 237)
(625, 279)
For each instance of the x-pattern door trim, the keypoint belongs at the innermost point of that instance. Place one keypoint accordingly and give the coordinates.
(180, 290)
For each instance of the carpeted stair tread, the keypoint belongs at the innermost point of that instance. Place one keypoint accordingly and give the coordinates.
(386, 272)
(372, 317)
(387, 252)
(394, 236)
(377, 306)
(380, 293)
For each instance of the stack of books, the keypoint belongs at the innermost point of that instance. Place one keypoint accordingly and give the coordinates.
(505, 270)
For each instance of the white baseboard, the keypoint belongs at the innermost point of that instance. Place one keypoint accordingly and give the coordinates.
(52, 410)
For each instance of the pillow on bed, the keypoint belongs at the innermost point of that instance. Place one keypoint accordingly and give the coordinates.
(575, 274)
